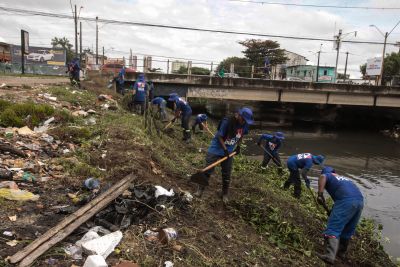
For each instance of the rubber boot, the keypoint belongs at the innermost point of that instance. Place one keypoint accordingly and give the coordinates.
(184, 135)
(297, 190)
(200, 191)
(188, 136)
(194, 129)
(225, 189)
(331, 248)
(343, 244)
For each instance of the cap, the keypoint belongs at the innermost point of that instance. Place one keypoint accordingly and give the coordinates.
(327, 170)
(318, 159)
(203, 117)
(247, 115)
(173, 96)
(280, 135)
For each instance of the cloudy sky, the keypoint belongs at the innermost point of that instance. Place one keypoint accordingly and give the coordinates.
(214, 14)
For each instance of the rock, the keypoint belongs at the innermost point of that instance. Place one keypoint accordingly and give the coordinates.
(25, 131)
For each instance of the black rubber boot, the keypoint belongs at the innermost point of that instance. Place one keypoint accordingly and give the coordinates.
(331, 248)
(225, 189)
(297, 190)
(343, 245)
(286, 185)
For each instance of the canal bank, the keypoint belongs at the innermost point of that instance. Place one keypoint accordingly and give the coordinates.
(351, 142)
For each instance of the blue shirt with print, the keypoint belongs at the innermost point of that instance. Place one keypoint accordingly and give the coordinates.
(140, 88)
(121, 75)
(300, 161)
(340, 187)
(230, 141)
(272, 143)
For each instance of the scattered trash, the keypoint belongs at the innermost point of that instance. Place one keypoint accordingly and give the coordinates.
(104, 245)
(126, 264)
(167, 234)
(13, 218)
(51, 261)
(188, 197)
(95, 261)
(48, 97)
(80, 113)
(91, 111)
(90, 121)
(28, 177)
(74, 251)
(48, 138)
(4, 174)
(3, 85)
(178, 248)
(13, 194)
(161, 191)
(12, 243)
(9, 184)
(168, 264)
(8, 233)
(105, 97)
(151, 235)
(92, 183)
(25, 131)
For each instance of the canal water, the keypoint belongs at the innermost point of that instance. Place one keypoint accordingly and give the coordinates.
(371, 160)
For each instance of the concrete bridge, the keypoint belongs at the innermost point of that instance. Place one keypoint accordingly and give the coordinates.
(195, 86)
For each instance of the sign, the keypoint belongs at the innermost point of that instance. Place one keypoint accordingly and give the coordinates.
(374, 66)
(325, 78)
(39, 56)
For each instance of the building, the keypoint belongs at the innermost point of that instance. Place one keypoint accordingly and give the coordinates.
(176, 65)
(309, 73)
(294, 59)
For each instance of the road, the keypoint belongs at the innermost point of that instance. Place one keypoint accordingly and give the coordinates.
(31, 81)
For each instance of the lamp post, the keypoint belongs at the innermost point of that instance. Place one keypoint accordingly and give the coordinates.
(385, 35)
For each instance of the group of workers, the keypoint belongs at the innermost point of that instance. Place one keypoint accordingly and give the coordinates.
(226, 143)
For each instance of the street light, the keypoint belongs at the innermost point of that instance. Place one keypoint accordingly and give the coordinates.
(386, 35)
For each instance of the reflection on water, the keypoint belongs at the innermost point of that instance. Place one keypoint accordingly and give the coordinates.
(372, 161)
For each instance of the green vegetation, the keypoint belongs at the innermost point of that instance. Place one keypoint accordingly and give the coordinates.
(21, 114)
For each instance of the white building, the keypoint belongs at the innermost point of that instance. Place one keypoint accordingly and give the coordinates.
(176, 65)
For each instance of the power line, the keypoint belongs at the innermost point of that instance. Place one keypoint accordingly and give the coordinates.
(319, 6)
(120, 22)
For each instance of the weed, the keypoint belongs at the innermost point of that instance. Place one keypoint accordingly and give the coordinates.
(71, 133)
(18, 115)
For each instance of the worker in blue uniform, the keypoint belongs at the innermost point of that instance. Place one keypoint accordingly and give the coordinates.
(303, 162)
(226, 140)
(183, 111)
(161, 104)
(273, 143)
(345, 214)
(201, 122)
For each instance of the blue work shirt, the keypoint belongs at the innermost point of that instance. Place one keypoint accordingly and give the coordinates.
(201, 118)
(300, 161)
(230, 141)
(340, 187)
(140, 88)
(183, 106)
(121, 75)
(158, 101)
(272, 143)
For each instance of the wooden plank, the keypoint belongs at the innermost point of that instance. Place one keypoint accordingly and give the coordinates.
(9, 148)
(97, 204)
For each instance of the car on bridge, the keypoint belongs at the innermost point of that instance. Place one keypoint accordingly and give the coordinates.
(114, 68)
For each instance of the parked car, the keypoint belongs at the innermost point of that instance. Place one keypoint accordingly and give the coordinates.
(231, 75)
(40, 55)
(114, 68)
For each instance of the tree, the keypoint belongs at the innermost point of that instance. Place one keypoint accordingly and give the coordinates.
(195, 71)
(391, 66)
(241, 64)
(65, 44)
(257, 50)
(341, 76)
(363, 70)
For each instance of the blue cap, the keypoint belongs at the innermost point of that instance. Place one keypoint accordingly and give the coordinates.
(247, 115)
(318, 159)
(280, 135)
(203, 117)
(173, 97)
(327, 170)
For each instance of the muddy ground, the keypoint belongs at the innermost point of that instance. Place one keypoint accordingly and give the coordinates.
(262, 225)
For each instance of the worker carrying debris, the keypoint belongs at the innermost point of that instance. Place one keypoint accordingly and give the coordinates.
(183, 111)
(345, 213)
(201, 122)
(304, 162)
(271, 147)
(226, 141)
(161, 104)
(140, 90)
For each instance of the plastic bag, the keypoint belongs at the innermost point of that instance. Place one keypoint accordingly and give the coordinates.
(14, 194)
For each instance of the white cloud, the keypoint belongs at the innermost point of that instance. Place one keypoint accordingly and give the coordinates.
(268, 19)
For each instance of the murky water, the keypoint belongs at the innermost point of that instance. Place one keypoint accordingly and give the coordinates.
(370, 159)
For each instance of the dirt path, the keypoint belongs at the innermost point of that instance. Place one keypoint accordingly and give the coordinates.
(19, 81)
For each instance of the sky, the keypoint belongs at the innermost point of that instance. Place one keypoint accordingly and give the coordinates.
(203, 47)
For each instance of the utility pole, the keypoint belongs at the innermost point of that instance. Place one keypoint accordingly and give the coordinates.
(97, 42)
(80, 41)
(337, 49)
(319, 54)
(380, 81)
(103, 57)
(167, 66)
(76, 32)
(345, 66)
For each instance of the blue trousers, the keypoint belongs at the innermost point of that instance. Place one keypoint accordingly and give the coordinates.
(344, 218)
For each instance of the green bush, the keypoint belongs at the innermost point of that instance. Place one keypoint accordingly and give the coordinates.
(71, 134)
(18, 115)
(4, 104)
(9, 118)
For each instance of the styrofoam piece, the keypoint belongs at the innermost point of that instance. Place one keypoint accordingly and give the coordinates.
(161, 191)
(103, 245)
(95, 261)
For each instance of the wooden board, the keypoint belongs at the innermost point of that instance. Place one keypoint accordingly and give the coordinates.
(70, 223)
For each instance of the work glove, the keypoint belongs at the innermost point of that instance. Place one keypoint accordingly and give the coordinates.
(307, 181)
(226, 152)
(320, 198)
(237, 150)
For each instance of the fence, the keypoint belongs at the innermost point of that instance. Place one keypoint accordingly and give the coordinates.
(14, 68)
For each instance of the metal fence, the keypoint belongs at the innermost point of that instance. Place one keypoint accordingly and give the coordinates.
(13, 68)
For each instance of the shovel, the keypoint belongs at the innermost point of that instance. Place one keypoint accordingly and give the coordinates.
(169, 124)
(208, 130)
(316, 202)
(200, 178)
(273, 158)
